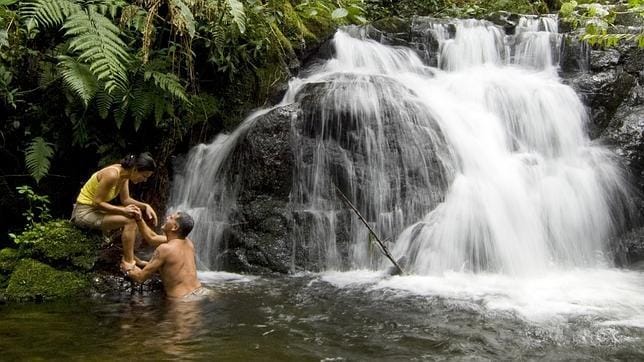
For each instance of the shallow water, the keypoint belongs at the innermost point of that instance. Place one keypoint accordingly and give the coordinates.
(358, 315)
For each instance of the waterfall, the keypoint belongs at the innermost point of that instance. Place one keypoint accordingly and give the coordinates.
(479, 164)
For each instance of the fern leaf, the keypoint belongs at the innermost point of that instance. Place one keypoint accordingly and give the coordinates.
(48, 13)
(141, 103)
(37, 158)
(78, 78)
(80, 136)
(239, 15)
(104, 102)
(97, 40)
(159, 109)
(169, 83)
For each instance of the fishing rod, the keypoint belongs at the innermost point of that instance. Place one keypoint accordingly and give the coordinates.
(383, 247)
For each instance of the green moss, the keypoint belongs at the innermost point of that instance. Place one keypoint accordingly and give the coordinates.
(8, 259)
(61, 244)
(32, 280)
(269, 76)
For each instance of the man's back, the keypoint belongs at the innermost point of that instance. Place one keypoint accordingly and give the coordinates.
(178, 271)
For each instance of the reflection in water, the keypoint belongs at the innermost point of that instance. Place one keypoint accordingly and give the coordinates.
(353, 316)
(175, 324)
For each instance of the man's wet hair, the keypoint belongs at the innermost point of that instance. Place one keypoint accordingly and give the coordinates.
(185, 223)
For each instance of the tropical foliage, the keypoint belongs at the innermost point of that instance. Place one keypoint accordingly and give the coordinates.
(147, 65)
(598, 21)
(85, 81)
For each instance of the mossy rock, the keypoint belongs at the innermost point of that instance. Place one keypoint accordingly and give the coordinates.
(35, 281)
(61, 244)
(8, 259)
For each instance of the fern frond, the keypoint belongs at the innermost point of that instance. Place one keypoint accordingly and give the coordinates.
(80, 136)
(104, 102)
(236, 9)
(169, 83)
(159, 109)
(47, 74)
(141, 103)
(78, 78)
(107, 7)
(97, 40)
(48, 13)
(37, 158)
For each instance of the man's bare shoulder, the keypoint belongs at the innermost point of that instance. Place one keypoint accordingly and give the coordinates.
(164, 248)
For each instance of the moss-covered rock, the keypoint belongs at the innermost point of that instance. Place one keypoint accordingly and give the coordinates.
(61, 244)
(33, 280)
(8, 259)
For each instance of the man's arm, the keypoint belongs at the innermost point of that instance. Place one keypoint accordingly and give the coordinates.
(140, 275)
(148, 234)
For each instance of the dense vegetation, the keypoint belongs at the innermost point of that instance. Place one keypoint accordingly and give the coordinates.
(82, 82)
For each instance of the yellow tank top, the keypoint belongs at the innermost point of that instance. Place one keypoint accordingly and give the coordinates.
(88, 192)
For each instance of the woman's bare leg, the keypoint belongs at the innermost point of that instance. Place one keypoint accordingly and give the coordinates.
(111, 222)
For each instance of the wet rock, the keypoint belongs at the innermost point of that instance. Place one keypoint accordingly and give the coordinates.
(602, 92)
(256, 243)
(575, 55)
(602, 59)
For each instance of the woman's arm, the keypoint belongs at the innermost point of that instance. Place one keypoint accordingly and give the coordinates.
(126, 199)
(108, 180)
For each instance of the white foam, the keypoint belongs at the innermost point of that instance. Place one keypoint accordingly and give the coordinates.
(212, 277)
(612, 296)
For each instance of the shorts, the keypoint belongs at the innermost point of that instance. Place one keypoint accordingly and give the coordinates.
(87, 216)
(197, 294)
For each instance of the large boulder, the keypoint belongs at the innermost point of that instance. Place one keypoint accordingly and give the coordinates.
(259, 241)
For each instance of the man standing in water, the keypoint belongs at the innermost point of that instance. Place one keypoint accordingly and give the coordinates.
(174, 257)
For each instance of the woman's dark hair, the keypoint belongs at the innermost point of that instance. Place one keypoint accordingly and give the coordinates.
(142, 162)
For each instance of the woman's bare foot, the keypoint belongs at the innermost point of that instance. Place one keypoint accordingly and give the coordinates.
(140, 262)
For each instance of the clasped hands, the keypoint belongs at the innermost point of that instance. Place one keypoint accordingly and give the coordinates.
(134, 212)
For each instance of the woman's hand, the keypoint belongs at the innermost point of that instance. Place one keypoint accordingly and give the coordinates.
(131, 211)
(150, 214)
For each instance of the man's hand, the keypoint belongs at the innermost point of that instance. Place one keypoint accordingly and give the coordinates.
(130, 211)
(127, 267)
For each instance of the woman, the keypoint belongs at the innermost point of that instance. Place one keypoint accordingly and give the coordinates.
(94, 211)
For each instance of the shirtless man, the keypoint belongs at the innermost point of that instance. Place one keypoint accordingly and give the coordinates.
(174, 257)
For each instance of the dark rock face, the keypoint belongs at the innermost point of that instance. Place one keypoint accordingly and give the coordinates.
(264, 162)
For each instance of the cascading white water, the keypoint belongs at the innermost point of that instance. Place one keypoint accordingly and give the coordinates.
(481, 164)
(208, 193)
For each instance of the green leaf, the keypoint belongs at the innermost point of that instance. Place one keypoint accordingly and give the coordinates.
(239, 15)
(48, 13)
(37, 158)
(98, 41)
(182, 17)
(7, 2)
(169, 83)
(339, 13)
(4, 38)
(78, 78)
